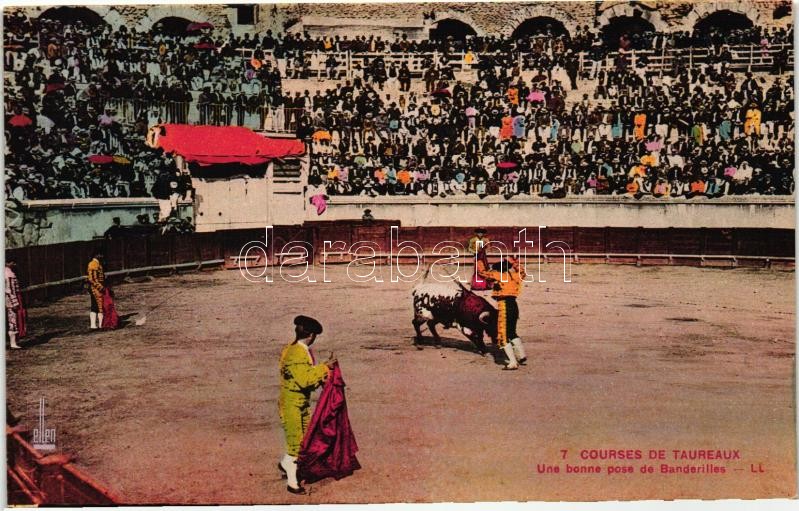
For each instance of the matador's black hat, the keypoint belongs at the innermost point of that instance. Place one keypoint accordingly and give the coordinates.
(309, 325)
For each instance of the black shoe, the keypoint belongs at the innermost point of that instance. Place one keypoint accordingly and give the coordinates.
(523, 361)
(282, 471)
(296, 491)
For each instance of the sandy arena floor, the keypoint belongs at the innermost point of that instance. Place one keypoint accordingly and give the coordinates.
(184, 408)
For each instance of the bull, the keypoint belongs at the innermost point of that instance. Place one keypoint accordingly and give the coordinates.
(450, 303)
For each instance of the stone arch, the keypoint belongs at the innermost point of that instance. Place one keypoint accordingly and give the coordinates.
(457, 16)
(702, 10)
(612, 31)
(558, 27)
(109, 15)
(450, 27)
(543, 10)
(158, 12)
(725, 19)
(626, 10)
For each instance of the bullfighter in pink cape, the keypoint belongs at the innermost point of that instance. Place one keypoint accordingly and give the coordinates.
(329, 446)
(15, 311)
(300, 375)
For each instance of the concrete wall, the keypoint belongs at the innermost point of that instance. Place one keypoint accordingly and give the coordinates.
(762, 212)
(61, 221)
(259, 203)
(386, 29)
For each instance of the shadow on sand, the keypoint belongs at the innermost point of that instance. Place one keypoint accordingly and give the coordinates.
(44, 338)
(461, 345)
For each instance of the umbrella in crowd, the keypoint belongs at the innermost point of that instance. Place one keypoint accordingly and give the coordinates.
(193, 27)
(120, 160)
(536, 96)
(205, 46)
(52, 87)
(507, 165)
(442, 93)
(20, 121)
(100, 159)
(322, 135)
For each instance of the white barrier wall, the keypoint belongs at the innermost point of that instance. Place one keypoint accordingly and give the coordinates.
(59, 221)
(46, 222)
(742, 212)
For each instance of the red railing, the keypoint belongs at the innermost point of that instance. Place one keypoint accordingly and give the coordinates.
(49, 480)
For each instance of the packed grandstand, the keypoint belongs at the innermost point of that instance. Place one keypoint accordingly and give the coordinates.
(704, 112)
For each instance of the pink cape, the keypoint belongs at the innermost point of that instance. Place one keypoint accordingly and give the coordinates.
(22, 318)
(110, 316)
(328, 448)
(208, 145)
(478, 282)
(320, 203)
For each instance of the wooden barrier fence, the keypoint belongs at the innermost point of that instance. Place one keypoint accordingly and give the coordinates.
(47, 271)
(49, 480)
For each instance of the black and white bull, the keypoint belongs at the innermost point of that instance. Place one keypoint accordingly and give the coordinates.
(449, 303)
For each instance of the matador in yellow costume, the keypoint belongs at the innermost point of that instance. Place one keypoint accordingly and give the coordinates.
(507, 277)
(96, 279)
(299, 377)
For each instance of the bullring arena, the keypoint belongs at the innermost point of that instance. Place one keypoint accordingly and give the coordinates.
(182, 409)
(659, 323)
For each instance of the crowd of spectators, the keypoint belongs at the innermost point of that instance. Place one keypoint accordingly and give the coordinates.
(81, 96)
(65, 137)
(692, 134)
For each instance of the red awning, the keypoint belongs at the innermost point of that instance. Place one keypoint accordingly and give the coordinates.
(208, 145)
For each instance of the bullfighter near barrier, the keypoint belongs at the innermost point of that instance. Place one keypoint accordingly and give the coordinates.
(381, 252)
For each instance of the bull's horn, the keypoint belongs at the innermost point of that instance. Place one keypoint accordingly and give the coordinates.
(483, 317)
